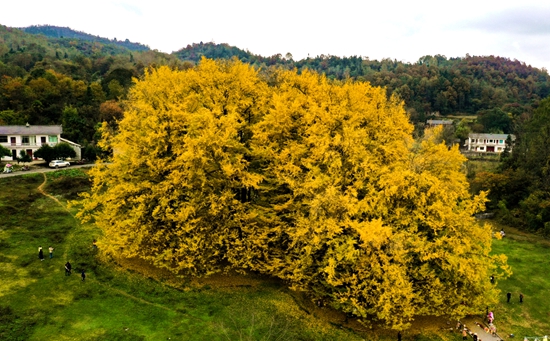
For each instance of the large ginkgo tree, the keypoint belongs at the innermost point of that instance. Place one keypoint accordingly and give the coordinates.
(319, 183)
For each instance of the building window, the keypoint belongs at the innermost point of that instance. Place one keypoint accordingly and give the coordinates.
(28, 140)
(3, 139)
(501, 141)
(52, 139)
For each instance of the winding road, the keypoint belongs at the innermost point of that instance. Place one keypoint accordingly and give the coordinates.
(40, 169)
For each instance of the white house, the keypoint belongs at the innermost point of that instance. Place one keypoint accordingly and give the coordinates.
(488, 143)
(29, 138)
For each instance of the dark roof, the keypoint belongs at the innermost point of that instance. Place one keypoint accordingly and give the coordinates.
(490, 136)
(439, 122)
(31, 130)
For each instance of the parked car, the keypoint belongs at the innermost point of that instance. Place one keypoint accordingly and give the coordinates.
(59, 163)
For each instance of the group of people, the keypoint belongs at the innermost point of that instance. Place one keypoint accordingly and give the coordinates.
(509, 296)
(466, 332)
(68, 266)
(490, 329)
(41, 253)
(475, 337)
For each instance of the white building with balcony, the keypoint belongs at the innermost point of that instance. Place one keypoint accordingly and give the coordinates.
(30, 138)
(488, 143)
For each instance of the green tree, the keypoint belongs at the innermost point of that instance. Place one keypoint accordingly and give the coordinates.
(90, 152)
(73, 124)
(4, 151)
(79, 124)
(506, 153)
(23, 157)
(495, 121)
(64, 150)
(116, 91)
(10, 117)
(462, 131)
(46, 152)
(530, 161)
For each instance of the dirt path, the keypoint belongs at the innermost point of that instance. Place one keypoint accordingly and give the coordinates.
(40, 189)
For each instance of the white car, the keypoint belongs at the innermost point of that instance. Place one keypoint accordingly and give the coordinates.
(59, 163)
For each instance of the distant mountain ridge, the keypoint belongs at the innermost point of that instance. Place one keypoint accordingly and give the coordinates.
(434, 85)
(66, 32)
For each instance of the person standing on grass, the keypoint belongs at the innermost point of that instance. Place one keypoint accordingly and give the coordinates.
(83, 275)
(51, 252)
(508, 297)
(40, 253)
(68, 268)
(520, 298)
(398, 336)
(464, 334)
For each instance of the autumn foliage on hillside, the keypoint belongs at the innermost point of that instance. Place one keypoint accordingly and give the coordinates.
(317, 182)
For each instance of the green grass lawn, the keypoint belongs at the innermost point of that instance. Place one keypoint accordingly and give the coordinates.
(528, 257)
(38, 302)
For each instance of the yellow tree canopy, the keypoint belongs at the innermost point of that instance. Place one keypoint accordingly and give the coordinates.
(319, 183)
(180, 160)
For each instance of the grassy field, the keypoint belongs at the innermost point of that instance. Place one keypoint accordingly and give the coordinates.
(137, 302)
(528, 257)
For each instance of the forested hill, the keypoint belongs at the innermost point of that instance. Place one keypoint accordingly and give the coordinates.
(472, 85)
(196, 51)
(67, 33)
(434, 84)
(78, 82)
(74, 82)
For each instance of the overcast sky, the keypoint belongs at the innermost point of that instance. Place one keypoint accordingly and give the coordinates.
(402, 29)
